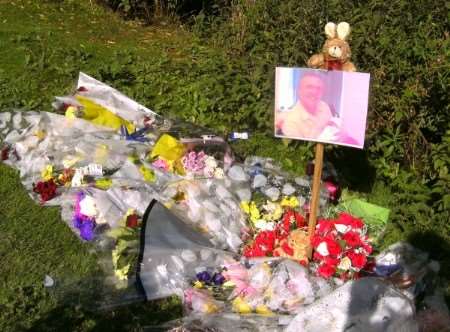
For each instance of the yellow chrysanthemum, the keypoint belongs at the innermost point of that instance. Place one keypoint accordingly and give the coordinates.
(254, 212)
(245, 207)
(47, 173)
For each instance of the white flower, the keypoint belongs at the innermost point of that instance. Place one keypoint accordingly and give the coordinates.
(211, 162)
(263, 225)
(322, 249)
(87, 206)
(342, 228)
(345, 264)
(219, 173)
(208, 172)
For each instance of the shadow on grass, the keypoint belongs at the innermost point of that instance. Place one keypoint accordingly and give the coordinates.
(438, 248)
(115, 316)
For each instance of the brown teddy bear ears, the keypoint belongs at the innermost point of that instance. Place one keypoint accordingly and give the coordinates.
(341, 31)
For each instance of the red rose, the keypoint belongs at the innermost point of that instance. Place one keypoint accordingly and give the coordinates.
(358, 260)
(324, 226)
(333, 247)
(132, 221)
(316, 240)
(367, 248)
(352, 239)
(253, 251)
(287, 249)
(317, 256)
(46, 189)
(349, 220)
(331, 261)
(290, 217)
(326, 271)
(265, 241)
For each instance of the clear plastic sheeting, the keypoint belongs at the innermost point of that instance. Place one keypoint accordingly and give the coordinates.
(172, 251)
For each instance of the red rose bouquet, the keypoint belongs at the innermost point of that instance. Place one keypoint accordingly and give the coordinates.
(341, 247)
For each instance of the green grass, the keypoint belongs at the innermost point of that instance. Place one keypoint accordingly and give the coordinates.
(43, 46)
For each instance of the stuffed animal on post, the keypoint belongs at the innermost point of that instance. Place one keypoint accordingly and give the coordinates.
(336, 51)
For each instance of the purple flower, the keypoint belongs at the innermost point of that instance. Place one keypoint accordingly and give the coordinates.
(87, 230)
(82, 222)
(204, 276)
(218, 279)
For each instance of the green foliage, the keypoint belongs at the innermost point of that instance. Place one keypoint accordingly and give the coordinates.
(404, 46)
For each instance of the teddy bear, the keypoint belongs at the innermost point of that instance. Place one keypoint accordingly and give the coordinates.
(297, 241)
(336, 51)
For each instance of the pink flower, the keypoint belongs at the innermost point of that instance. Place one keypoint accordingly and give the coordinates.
(194, 162)
(161, 164)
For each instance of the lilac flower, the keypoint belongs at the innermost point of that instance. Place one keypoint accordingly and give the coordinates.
(194, 162)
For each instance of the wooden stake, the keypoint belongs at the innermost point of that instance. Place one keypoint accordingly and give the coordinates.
(315, 196)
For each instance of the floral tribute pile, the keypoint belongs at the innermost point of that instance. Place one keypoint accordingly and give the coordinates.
(279, 229)
(279, 286)
(341, 247)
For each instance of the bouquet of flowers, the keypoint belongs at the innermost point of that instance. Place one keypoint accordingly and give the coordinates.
(276, 229)
(341, 247)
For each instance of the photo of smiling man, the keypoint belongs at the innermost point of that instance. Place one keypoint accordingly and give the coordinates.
(309, 106)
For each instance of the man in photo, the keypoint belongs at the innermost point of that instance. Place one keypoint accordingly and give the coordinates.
(310, 117)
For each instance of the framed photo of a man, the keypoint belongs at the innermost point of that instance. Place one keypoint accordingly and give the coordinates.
(321, 106)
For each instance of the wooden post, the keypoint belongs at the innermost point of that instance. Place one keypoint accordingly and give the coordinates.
(315, 196)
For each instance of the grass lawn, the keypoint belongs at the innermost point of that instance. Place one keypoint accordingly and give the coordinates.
(43, 46)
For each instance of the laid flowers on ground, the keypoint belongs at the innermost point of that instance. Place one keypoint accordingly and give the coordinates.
(278, 228)
(264, 288)
(341, 247)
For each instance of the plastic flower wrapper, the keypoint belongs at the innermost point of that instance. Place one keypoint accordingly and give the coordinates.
(209, 207)
(201, 301)
(292, 286)
(173, 253)
(106, 105)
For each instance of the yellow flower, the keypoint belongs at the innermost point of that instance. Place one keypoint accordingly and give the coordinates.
(198, 284)
(40, 134)
(71, 112)
(254, 212)
(245, 207)
(210, 308)
(291, 202)
(148, 174)
(103, 183)
(228, 284)
(263, 310)
(47, 173)
(240, 306)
